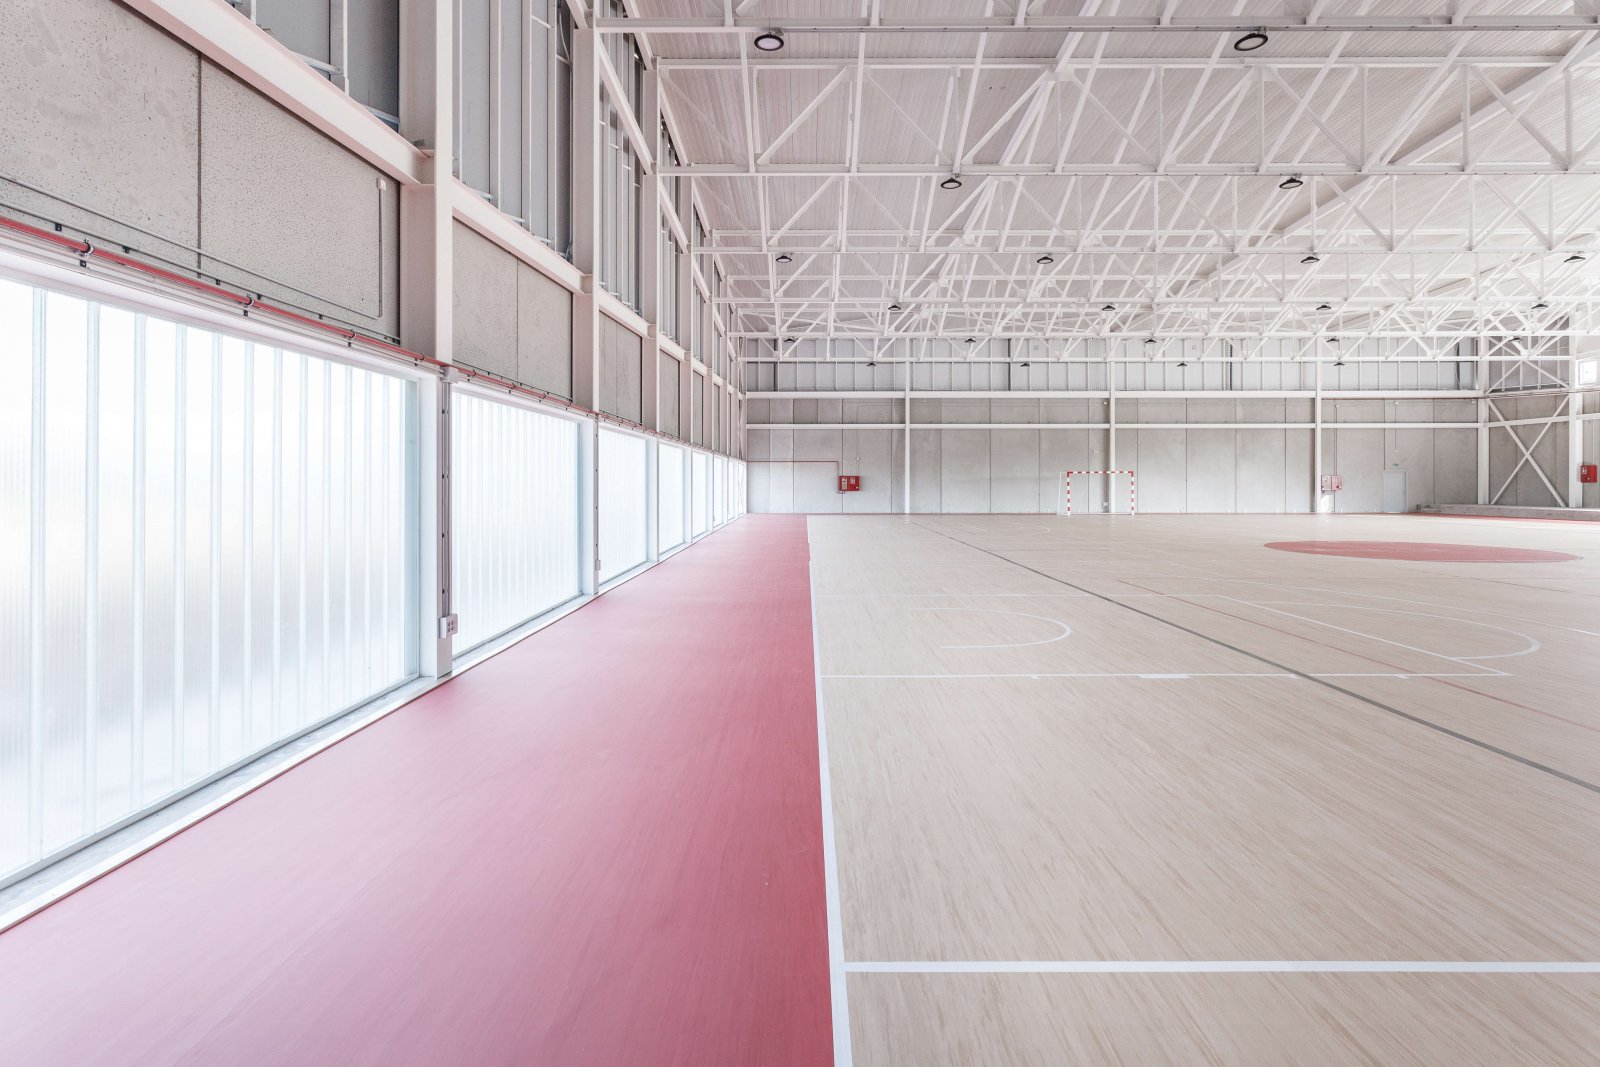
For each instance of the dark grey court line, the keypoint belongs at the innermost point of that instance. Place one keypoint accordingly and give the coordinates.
(1380, 705)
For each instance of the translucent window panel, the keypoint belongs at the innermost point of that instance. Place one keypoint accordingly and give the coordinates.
(700, 492)
(208, 549)
(624, 502)
(514, 515)
(670, 487)
(719, 512)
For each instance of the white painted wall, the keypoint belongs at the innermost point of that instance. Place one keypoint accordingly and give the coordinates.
(1238, 469)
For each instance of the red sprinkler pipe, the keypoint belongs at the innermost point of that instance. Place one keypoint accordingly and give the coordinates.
(84, 249)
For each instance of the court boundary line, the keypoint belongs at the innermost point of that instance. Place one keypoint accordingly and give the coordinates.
(1369, 701)
(837, 995)
(1223, 967)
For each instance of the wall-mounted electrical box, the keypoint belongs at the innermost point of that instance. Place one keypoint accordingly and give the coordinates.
(849, 483)
(1332, 483)
(1589, 474)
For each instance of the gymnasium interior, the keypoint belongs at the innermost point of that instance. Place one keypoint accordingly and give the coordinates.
(897, 533)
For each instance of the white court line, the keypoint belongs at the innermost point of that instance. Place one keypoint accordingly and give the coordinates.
(1533, 643)
(1486, 672)
(1224, 967)
(830, 859)
(1066, 631)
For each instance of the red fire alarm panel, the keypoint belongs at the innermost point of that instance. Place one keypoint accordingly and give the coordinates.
(1588, 474)
(849, 483)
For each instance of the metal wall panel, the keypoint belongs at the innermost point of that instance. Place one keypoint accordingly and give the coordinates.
(514, 515)
(209, 548)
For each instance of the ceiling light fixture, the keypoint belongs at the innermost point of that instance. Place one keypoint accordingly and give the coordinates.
(1181, 363)
(1025, 364)
(1324, 307)
(769, 40)
(1576, 257)
(1338, 363)
(784, 257)
(972, 340)
(1293, 181)
(872, 363)
(1149, 340)
(1109, 307)
(1312, 258)
(1250, 41)
(894, 307)
(952, 182)
(1047, 258)
(1540, 306)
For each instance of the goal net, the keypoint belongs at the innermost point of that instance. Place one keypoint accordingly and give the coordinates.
(1096, 493)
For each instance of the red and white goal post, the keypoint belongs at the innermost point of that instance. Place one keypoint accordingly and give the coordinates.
(1114, 495)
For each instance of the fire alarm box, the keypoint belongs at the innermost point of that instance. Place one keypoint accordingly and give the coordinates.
(1587, 474)
(849, 483)
(1332, 483)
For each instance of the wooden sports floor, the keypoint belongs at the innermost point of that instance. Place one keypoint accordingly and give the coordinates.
(1141, 790)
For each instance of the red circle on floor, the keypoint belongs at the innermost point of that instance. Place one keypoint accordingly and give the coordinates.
(1422, 550)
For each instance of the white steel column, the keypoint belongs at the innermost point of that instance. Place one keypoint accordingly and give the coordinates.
(905, 453)
(1481, 370)
(1111, 434)
(586, 207)
(1574, 434)
(587, 137)
(427, 298)
(1316, 439)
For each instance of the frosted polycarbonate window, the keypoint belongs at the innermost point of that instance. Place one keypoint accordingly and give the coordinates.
(669, 497)
(624, 502)
(207, 548)
(700, 492)
(514, 515)
(719, 467)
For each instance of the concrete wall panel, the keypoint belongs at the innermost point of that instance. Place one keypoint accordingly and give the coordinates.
(72, 127)
(964, 471)
(292, 213)
(1014, 467)
(486, 303)
(1262, 458)
(1211, 460)
(668, 410)
(925, 470)
(544, 333)
(619, 370)
(867, 453)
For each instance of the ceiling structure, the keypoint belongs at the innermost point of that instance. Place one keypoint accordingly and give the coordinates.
(1119, 169)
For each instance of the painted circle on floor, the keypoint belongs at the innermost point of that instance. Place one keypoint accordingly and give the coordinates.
(1423, 551)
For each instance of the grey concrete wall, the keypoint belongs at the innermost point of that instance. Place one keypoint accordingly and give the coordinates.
(510, 319)
(667, 412)
(620, 379)
(1236, 469)
(111, 127)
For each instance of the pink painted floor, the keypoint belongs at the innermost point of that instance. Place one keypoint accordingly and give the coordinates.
(602, 846)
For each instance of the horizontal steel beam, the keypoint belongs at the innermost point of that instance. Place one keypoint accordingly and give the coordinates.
(1122, 394)
(1108, 169)
(1442, 23)
(1103, 425)
(1345, 60)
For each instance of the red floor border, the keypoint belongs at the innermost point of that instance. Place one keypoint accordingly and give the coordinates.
(603, 846)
